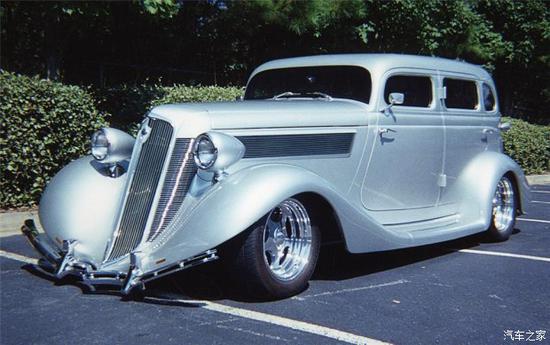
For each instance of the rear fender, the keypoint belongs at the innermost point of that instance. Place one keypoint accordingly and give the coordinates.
(477, 185)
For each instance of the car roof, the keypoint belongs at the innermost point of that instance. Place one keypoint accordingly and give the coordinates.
(379, 63)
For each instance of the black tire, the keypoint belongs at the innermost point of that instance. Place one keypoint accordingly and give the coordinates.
(252, 271)
(503, 219)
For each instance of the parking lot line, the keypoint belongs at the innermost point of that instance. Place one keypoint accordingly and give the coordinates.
(510, 255)
(534, 220)
(17, 257)
(250, 314)
(280, 321)
(328, 293)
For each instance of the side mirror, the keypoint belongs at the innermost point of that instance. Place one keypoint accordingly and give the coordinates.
(395, 98)
(504, 127)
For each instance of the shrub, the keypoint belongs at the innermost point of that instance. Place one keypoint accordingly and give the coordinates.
(43, 125)
(127, 103)
(529, 145)
(182, 93)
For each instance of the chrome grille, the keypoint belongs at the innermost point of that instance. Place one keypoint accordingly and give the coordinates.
(181, 171)
(142, 188)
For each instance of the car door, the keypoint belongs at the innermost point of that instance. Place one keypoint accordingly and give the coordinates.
(406, 154)
(469, 129)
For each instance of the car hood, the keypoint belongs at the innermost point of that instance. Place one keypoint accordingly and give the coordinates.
(194, 118)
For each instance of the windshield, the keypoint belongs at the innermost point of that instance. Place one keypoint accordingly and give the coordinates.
(350, 82)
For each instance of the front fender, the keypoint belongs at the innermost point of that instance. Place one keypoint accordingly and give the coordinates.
(241, 199)
(231, 206)
(81, 203)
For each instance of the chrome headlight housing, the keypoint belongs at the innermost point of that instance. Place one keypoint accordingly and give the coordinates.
(215, 152)
(110, 145)
(100, 145)
(205, 153)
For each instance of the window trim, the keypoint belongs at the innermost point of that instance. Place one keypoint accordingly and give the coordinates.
(478, 107)
(493, 90)
(431, 74)
(369, 72)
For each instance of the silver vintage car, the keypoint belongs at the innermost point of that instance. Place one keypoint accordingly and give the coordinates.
(377, 151)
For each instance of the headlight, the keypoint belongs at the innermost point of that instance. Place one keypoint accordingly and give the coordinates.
(100, 145)
(205, 152)
(215, 152)
(111, 145)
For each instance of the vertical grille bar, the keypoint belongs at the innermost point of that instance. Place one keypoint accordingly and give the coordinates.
(179, 176)
(142, 188)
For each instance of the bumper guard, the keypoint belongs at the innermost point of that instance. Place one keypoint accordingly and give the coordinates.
(61, 263)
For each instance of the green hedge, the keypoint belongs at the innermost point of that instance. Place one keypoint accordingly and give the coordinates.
(43, 125)
(529, 145)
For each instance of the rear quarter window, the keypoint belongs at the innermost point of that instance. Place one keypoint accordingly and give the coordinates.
(489, 102)
(461, 94)
(417, 90)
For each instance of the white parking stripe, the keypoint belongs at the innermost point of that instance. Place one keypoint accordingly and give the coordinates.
(510, 255)
(541, 202)
(328, 293)
(251, 314)
(10, 233)
(280, 321)
(18, 257)
(534, 220)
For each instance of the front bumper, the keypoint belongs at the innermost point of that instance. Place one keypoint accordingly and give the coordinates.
(61, 263)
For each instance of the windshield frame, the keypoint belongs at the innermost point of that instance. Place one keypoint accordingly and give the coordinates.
(354, 77)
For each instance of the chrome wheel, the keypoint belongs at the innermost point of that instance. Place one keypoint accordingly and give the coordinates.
(287, 240)
(504, 206)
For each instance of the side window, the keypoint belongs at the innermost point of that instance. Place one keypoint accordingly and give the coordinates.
(417, 90)
(488, 98)
(461, 94)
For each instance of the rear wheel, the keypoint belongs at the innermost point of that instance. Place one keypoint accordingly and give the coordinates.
(279, 252)
(503, 217)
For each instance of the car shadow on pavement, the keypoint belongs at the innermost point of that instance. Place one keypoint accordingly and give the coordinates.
(213, 282)
(335, 263)
(338, 264)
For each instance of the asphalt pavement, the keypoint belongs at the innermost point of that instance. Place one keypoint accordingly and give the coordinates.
(467, 291)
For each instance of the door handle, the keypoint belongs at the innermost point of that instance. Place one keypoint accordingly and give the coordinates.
(488, 131)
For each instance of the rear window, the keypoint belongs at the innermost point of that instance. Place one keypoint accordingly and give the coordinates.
(350, 82)
(417, 90)
(461, 94)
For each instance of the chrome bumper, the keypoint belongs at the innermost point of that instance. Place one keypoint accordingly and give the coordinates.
(61, 263)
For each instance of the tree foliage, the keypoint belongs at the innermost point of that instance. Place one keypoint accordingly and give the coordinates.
(221, 41)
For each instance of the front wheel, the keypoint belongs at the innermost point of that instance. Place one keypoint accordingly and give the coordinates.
(503, 217)
(279, 252)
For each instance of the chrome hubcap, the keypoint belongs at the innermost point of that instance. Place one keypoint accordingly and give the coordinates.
(503, 205)
(287, 240)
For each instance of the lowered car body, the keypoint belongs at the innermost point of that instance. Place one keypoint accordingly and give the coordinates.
(386, 166)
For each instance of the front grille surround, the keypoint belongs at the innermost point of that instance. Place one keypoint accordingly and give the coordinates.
(142, 189)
